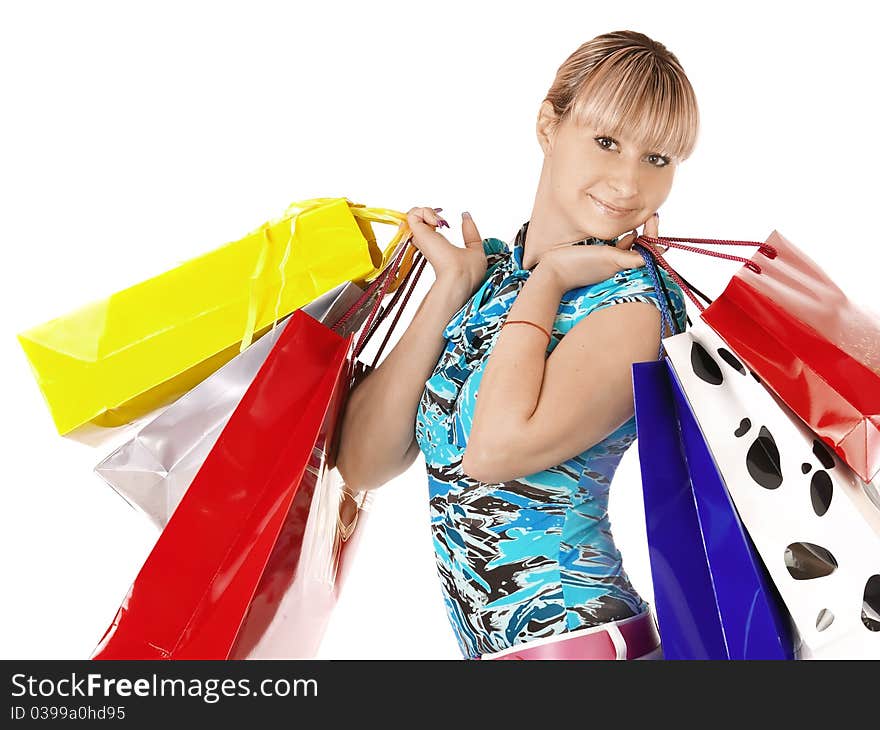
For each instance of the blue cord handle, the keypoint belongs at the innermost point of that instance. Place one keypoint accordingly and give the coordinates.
(661, 297)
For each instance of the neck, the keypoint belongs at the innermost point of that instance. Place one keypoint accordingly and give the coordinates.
(544, 232)
(548, 227)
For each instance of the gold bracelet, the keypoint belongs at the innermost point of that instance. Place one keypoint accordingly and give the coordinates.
(522, 321)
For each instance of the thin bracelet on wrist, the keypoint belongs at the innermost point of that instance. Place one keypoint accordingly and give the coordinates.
(523, 321)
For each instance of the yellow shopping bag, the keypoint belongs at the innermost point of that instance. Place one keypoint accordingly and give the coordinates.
(114, 360)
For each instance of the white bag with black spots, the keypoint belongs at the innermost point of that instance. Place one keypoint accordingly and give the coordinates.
(815, 523)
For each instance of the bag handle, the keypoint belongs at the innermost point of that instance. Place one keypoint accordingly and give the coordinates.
(373, 215)
(379, 288)
(662, 297)
(421, 261)
(392, 217)
(649, 243)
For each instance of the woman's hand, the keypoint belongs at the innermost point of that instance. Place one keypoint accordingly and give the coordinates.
(466, 264)
(576, 266)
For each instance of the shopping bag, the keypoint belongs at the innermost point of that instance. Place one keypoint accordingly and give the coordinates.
(818, 351)
(300, 585)
(713, 597)
(188, 600)
(299, 588)
(312, 557)
(153, 470)
(218, 576)
(814, 522)
(117, 359)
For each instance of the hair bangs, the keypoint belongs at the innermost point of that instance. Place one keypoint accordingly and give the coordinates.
(635, 97)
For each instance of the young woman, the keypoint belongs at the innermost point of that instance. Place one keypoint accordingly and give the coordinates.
(514, 376)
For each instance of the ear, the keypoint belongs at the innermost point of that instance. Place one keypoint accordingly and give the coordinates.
(545, 127)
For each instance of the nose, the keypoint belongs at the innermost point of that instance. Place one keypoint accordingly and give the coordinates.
(624, 180)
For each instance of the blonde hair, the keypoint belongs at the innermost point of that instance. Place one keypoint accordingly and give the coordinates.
(624, 82)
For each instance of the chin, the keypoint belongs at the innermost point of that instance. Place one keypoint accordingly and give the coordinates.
(605, 230)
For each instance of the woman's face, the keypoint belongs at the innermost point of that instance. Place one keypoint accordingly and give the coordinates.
(586, 168)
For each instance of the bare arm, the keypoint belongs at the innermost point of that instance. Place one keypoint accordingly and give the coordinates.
(377, 441)
(535, 411)
(543, 412)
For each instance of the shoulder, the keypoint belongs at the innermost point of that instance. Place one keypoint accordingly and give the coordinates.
(630, 285)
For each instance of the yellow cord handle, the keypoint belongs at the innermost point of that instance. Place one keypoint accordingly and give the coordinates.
(393, 217)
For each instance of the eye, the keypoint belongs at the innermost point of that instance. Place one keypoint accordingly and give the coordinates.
(663, 160)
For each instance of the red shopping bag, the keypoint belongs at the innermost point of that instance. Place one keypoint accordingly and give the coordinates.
(812, 346)
(228, 555)
(291, 607)
(189, 598)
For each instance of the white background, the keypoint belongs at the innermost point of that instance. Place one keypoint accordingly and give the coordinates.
(135, 136)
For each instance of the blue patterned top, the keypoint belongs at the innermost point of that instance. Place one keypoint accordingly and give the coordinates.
(534, 556)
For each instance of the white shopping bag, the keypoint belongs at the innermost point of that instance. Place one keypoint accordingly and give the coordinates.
(814, 522)
(153, 470)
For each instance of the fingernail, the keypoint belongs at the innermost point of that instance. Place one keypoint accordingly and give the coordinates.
(465, 215)
(437, 210)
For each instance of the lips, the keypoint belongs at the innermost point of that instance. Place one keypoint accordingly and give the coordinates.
(611, 208)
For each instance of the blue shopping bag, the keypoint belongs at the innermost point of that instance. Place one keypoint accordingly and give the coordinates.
(712, 594)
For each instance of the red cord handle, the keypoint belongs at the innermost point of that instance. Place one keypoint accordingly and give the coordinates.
(649, 242)
(381, 285)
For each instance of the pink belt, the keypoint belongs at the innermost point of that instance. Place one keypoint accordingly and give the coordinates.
(629, 638)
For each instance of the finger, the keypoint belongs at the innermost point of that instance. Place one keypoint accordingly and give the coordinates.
(661, 250)
(428, 217)
(441, 221)
(422, 222)
(627, 241)
(637, 260)
(652, 229)
(630, 260)
(652, 226)
(469, 232)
